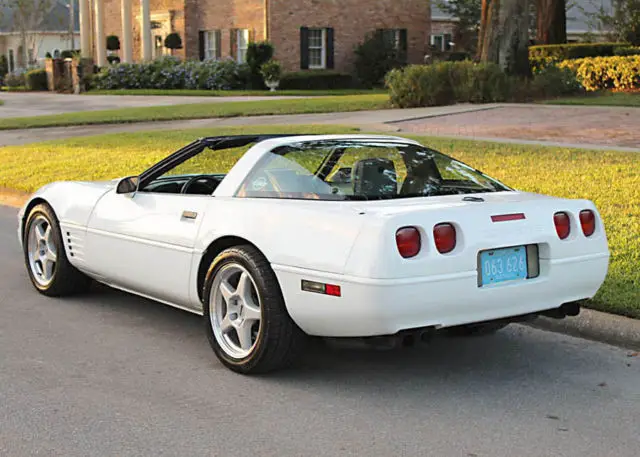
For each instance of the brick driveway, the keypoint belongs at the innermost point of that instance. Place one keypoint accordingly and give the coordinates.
(605, 126)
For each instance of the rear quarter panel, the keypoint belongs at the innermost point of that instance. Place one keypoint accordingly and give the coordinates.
(315, 235)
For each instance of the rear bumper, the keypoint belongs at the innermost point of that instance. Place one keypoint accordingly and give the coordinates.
(370, 307)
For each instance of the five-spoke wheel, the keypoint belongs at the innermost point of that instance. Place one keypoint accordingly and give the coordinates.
(44, 255)
(246, 319)
(236, 316)
(42, 250)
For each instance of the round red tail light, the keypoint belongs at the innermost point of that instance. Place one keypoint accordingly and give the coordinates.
(588, 222)
(444, 236)
(408, 241)
(563, 224)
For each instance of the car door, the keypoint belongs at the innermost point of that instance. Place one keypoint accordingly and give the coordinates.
(144, 242)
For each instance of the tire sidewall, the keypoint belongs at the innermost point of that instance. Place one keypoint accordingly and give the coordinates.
(42, 210)
(241, 257)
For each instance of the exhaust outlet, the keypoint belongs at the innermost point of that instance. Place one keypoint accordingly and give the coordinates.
(564, 310)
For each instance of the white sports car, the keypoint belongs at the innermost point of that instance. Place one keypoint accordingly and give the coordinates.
(318, 235)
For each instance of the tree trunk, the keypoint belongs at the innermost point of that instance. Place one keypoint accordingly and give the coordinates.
(487, 39)
(504, 35)
(551, 23)
(514, 37)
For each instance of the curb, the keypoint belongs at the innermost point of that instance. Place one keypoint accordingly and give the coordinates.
(597, 326)
(13, 198)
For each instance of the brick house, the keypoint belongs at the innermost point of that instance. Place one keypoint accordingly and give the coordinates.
(306, 34)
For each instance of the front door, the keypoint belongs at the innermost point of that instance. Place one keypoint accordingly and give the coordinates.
(144, 242)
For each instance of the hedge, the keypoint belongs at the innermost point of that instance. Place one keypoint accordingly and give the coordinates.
(446, 83)
(599, 73)
(542, 55)
(627, 51)
(170, 73)
(36, 79)
(316, 80)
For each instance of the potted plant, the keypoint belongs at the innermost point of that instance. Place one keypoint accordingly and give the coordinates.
(271, 72)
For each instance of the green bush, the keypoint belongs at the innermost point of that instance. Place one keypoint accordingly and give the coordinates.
(375, 57)
(271, 70)
(4, 65)
(446, 83)
(601, 73)
(553, 81)
(36, 79)
(542, 55)
(627, 51)
(14, 80)
(169, 72)
(257, 55)
(316, 80)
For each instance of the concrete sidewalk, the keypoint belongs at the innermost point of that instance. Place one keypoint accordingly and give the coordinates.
(389, 121)
(367, 120)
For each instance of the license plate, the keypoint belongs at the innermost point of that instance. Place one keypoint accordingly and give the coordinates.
(505, 264)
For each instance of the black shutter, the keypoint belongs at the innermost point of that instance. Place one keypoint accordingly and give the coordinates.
(304, 48)
(447, 40)
(218, 38)
(330, 48)
(201, 44)
(403, 44)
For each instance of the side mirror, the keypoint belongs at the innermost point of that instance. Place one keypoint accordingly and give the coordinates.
(128, 185)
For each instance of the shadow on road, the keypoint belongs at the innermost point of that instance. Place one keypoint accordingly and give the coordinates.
(511, 356)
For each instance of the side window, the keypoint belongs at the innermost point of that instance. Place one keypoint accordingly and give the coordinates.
(287, 175)
(201, 174)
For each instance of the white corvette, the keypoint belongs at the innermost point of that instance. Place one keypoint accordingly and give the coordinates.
(321, 235)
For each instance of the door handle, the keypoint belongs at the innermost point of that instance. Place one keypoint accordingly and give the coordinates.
(189, 214)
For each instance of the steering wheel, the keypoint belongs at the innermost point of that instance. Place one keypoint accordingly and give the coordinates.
(197, 178)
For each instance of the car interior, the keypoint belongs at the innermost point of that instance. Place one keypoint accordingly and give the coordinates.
(199, 184)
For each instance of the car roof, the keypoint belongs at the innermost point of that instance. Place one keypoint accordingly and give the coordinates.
(275, 140)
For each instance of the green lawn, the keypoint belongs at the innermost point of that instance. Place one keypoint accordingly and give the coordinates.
(610, 179)
(600, 99)
(235, 93)
(202, 111)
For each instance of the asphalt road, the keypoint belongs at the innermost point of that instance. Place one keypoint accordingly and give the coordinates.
(113, 374)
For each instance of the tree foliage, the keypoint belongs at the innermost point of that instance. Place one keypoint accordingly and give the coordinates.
(622, 22)
(27, 17)
(468, 13)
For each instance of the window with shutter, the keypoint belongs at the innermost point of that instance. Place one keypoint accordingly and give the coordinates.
(211, 44)
(242, 41)
(317, 48)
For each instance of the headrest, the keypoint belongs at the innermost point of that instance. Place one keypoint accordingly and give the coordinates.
(375, 177)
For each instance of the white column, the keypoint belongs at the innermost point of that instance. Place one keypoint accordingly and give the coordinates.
(85, 29)
(145, 29)
(101, 45)
(127, 42)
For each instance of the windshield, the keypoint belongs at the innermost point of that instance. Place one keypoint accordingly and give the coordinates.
(361, 170)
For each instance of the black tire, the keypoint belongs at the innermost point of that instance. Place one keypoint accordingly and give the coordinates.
(279, 340)
(485, 329)
(66, 279)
